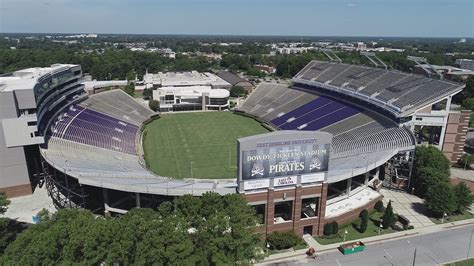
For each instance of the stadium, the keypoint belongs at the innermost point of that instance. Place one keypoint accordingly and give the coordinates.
(302, 155)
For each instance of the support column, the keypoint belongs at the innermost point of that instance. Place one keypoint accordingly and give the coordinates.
(270, 211)
(322, 209)
(105, 195)
(137, 199)
(348, 191)
(297, 211)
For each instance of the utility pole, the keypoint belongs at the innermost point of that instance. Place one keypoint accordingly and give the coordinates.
(414, 258)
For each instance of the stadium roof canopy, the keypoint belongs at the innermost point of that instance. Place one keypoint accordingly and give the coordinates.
(25, 79)
(399, 93)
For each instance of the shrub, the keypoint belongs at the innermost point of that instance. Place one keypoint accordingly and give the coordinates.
(408, 227)
(154, 105)
(397, 227)
(403, 220)
(463, 197)
(335, 227)
(328, 229)
(379, 206)
(283, 240)
(388, 217)
(364, 219)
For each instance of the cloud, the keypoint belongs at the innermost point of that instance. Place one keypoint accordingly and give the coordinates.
(351, 5)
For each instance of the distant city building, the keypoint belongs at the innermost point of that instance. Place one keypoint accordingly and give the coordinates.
(465, 63)
(236, 80)
(265, 68)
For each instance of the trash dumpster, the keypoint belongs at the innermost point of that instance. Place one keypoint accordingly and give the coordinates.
(353, 247)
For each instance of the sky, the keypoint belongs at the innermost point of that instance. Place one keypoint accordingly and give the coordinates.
(398, 18)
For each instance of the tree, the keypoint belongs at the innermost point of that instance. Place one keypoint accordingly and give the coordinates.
(154, 105)
(440, 199)
(237, 91)
(6, 234)
(468, 91)
(466, 160)
(388, 217)
(430, 167)
(147, 94)
(462, 196)
(468, 104)
(4, 202)
(212, 229)
(364, 220)
(44, 215)
(130, 89)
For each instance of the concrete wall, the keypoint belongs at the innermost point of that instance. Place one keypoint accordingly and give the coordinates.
(14, 178)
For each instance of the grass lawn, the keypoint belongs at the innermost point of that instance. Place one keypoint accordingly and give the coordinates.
(353, 234)
(454, 218)
(199, 145)
(467, 262)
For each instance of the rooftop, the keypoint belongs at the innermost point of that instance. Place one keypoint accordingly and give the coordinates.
(195, 91)
(25, 79)
(190, 78)
(231, 77)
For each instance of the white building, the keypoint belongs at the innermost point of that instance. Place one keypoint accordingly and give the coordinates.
(187, 98)
(192, 90)
(180, 79)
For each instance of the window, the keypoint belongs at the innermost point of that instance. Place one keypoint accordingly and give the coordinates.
(260, 211)
(337, 189)
(283, 211)
(31, 123)
(309, 207)
(357, 181)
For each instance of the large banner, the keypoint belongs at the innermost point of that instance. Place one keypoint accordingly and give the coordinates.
(283, 154)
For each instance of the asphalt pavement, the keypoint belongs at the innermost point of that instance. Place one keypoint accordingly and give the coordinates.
(431, 249)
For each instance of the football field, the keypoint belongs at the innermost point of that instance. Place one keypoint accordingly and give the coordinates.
(196, 145)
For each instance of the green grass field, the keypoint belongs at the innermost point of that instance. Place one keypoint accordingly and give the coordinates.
(199, 145)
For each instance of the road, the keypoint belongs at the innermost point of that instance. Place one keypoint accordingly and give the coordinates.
(431, 249)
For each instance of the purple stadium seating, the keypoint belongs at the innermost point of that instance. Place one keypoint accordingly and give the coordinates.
(321, 101)
(316, 114)
(93, 128)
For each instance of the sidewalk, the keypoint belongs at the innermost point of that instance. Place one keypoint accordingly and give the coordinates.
(368, 241)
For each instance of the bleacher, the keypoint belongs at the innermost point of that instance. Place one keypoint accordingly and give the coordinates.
(399, 92)
(89, 127)
(117, 103)
(314, 115)
(356, 131)
(95, 142)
